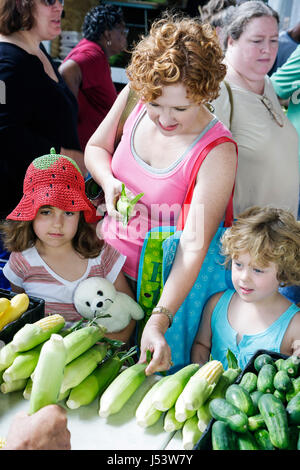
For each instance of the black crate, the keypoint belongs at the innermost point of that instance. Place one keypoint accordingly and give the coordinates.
(204, 442)
(35, 311)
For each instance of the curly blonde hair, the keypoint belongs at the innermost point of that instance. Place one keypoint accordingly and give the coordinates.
(178, 49)
(269, 235)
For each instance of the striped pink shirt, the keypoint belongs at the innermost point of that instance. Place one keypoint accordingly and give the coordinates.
(30, 272)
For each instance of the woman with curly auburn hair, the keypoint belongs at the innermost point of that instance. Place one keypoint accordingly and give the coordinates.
(175, 71)
(181, 52)
(263, 250)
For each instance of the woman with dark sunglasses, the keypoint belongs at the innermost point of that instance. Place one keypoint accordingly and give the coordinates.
(37, 109)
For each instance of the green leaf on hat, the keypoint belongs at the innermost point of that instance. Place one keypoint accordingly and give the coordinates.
(47, 161)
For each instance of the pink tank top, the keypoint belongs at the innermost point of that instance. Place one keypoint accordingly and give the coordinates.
(164, 189)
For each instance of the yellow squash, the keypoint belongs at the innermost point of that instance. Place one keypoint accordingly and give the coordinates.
(4, 304)
(18, 305)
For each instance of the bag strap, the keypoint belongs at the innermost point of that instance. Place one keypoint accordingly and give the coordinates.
(229, 90)
(132, 100)
(188, 198)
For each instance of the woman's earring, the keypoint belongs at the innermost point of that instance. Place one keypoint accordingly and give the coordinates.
(108, 43)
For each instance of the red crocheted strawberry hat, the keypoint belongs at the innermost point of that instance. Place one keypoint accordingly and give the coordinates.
(53, 180)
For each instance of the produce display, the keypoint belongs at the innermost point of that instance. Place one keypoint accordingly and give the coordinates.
(262, 412)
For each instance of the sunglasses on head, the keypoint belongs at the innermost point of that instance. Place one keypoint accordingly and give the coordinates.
(50, 3)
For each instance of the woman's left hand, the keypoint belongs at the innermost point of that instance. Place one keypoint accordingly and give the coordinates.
(153, 340)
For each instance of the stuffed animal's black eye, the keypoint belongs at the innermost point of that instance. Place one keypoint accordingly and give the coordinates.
(88, 304)
(99, 292)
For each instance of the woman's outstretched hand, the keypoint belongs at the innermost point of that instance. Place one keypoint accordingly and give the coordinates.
(153, 340)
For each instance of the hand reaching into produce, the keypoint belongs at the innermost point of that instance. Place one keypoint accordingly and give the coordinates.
(296, 348)
(153, 340)
(44, 430)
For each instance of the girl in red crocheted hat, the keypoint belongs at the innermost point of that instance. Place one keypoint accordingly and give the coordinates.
(51, 235)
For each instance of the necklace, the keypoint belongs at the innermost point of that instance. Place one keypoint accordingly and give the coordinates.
(268, 104)
(240, 80)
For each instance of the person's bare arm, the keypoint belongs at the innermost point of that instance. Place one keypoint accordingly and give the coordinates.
(99, 150)
(290, 344)
(72, 75)
(202, 343)
(17, 289)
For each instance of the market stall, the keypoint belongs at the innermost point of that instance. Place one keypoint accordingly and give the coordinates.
(91, 432)
(112, 405)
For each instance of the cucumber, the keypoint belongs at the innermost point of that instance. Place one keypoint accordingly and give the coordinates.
(255, 396)
(261, 360)
(222, 437)
(246, 441)
(293, 410)
(249, 382)
(279, 363)
(291, 366)
(263, 440)
(221, 410)
(296, 389)
(293, 437)
(282, 381)
(280, 395)
(275, 417)
(265, 378)
(256, 422)
(239, 397)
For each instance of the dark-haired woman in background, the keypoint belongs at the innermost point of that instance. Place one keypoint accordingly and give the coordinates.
(86, 69)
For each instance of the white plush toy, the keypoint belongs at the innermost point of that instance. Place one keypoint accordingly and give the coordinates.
(96, 295)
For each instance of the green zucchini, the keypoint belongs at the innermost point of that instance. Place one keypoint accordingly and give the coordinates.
(293, 410)
(222, 437)
(263, 440)
(261, 360)
(246, 441)
(265, 379)
(291, 366)
(282, 381)
(239, 397)
(249, 382)
(256, 422)
(275, 417)
(221, 410)
(255, 396)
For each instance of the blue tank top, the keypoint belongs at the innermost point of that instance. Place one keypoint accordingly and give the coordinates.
(224, 336)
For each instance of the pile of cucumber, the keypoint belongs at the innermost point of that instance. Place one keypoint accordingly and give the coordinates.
(262, 412)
